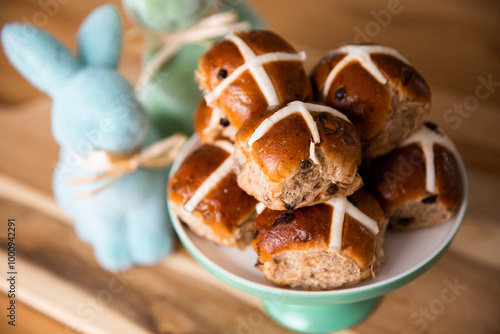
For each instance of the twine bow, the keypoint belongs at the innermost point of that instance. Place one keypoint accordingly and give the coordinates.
(115, 166)
(213, 26)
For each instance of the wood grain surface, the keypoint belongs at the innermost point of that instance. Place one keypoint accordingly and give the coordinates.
(454, 44)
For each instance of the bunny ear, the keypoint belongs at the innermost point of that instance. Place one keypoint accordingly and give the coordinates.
(40, 58)
(100, 38)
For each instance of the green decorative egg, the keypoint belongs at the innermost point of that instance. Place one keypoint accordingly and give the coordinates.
(167, 15)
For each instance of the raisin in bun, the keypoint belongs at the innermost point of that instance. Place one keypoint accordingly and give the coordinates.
(340, 242)
(378, 90)
(249, 71)
(204, 195)
(211, 124)
(297, 155)
(419, 183)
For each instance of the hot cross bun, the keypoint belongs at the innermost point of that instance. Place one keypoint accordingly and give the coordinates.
(204, 195)
(248, 71)
(297, 155)
(378, 90)
(340, 242)
(419, 184)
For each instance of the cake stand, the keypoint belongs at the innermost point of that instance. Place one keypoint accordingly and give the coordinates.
(410, 254)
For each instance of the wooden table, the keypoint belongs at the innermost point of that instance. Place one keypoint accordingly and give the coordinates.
(455, 45)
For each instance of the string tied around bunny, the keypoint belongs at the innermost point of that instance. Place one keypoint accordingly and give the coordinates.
(113, 166)
(213, 26)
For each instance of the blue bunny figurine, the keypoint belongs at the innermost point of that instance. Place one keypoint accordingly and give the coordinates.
(95, 109)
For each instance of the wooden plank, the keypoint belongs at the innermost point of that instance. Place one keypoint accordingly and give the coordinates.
(457, 295)
(65, 302)
(29, 152)
(478, 240)
(29, 320)
(31, 197)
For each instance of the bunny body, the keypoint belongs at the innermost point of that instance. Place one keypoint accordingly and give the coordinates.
(95, 109)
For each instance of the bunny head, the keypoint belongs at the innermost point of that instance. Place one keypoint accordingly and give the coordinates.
(167, 15)
(94, 108)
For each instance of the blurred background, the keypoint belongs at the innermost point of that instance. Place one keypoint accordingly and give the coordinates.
(455, 45)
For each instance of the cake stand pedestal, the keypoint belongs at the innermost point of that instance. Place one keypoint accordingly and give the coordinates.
(319, 319)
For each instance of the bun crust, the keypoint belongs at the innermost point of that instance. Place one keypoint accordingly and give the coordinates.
(284, 169)
(294, 248)
(226, 213)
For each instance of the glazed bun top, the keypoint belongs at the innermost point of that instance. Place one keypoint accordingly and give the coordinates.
(205, 185)
(248, 71)
(369, 83)
(281, 139)
(347, 225)
(424, 167)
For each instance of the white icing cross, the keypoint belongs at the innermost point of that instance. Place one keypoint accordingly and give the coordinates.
(427, 138)
(255, 64)
(211, 182)
(341, 207)
(296, 107)
(361, 54)
(312, 153)
(259, 73)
